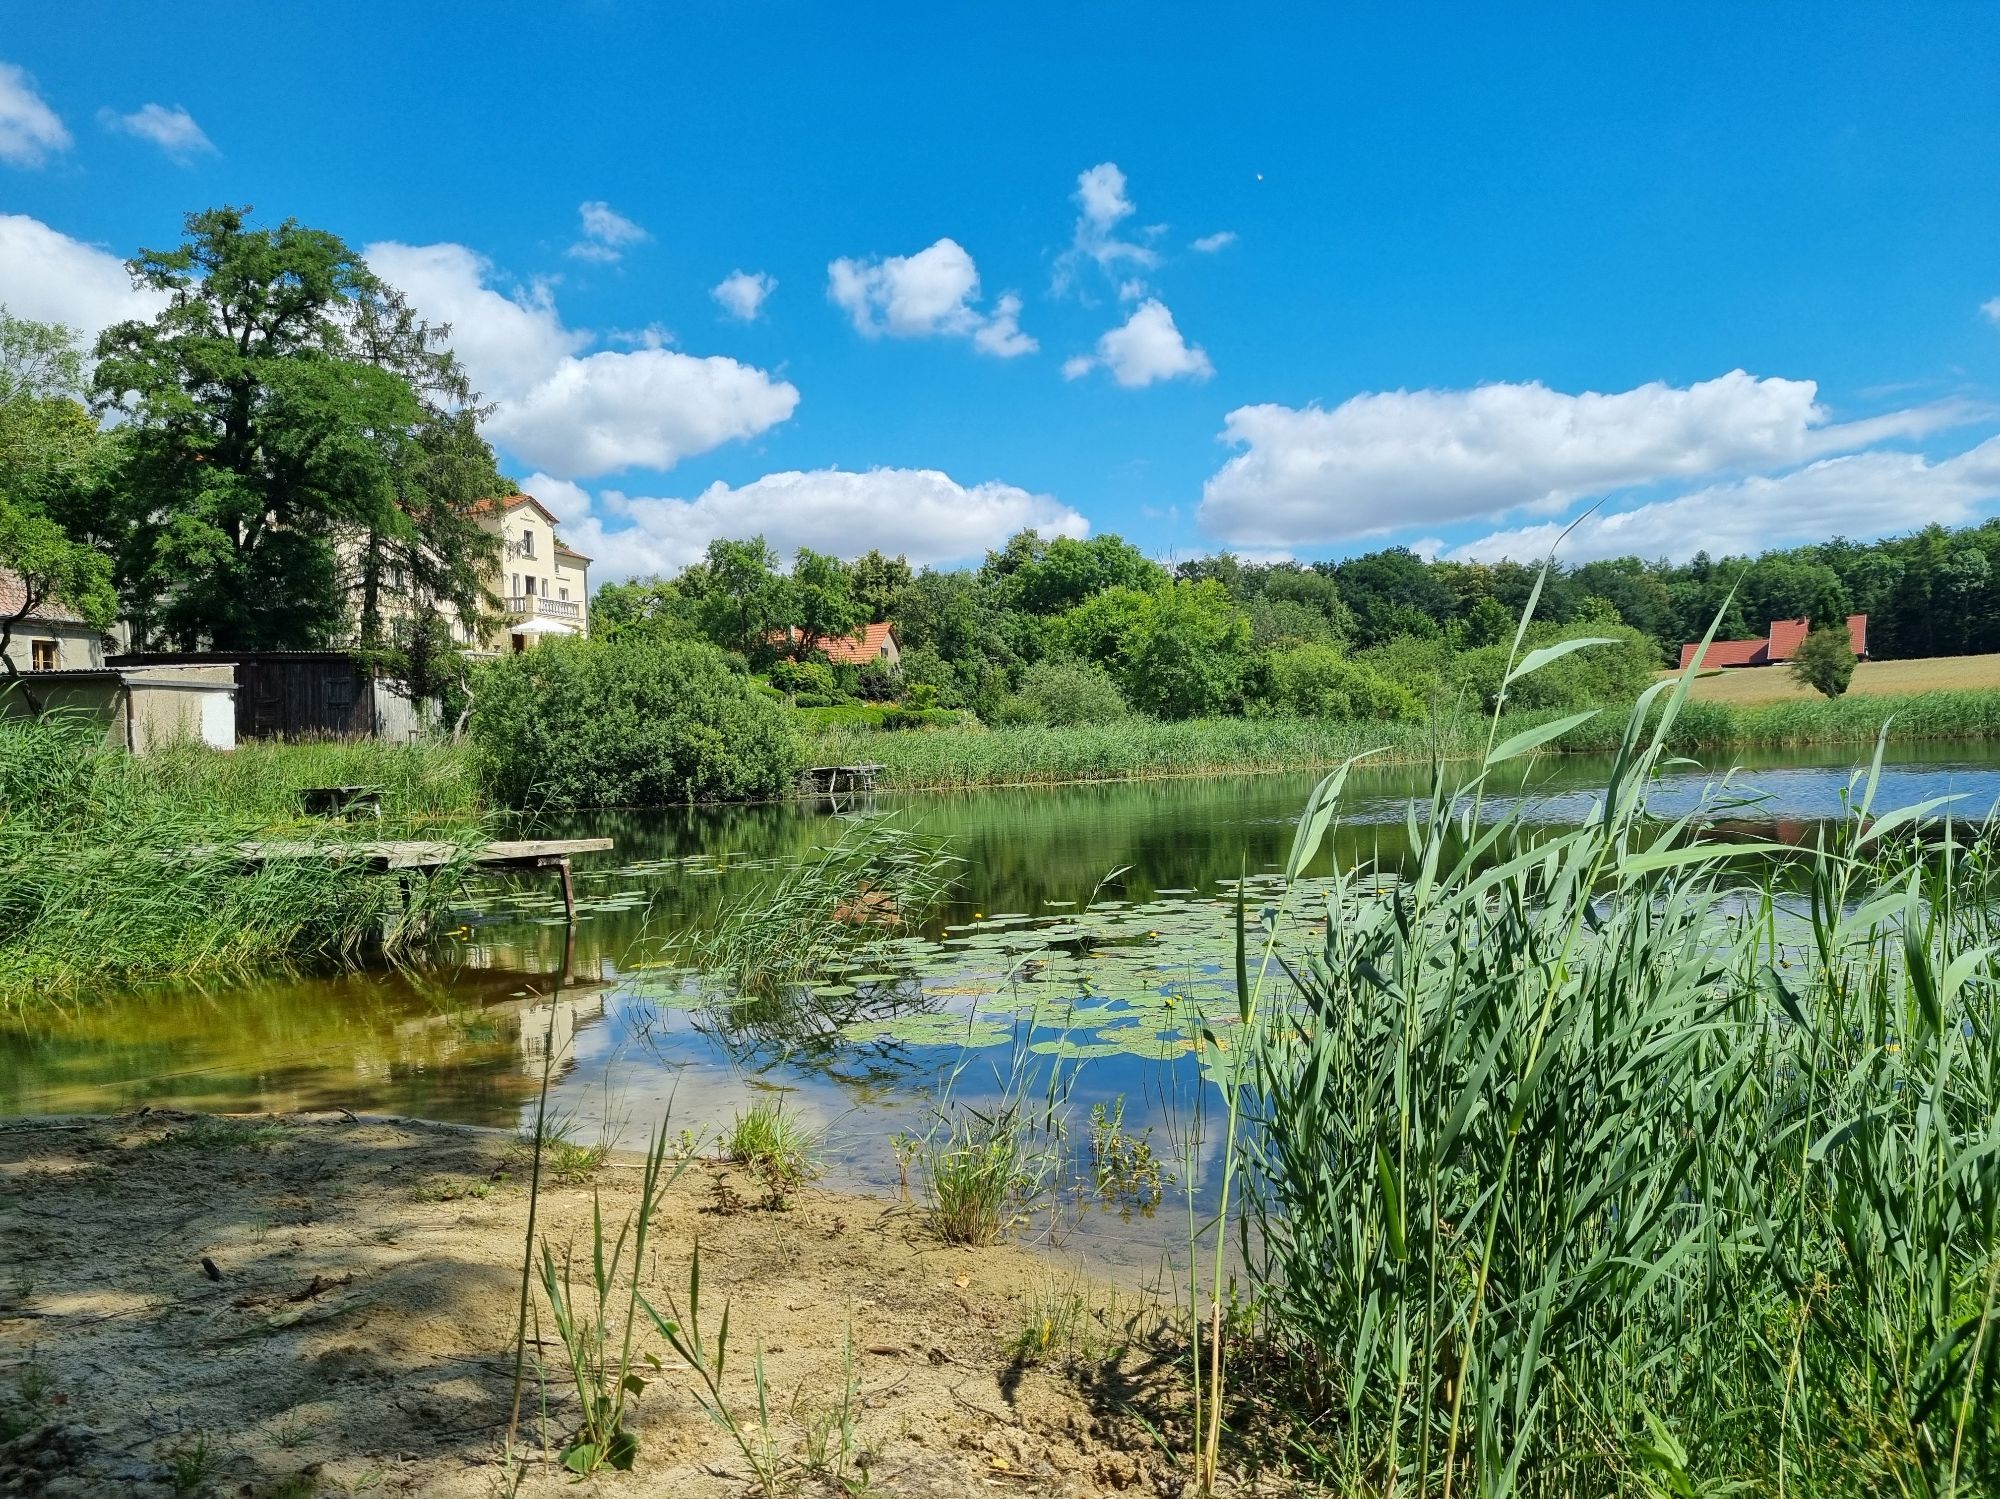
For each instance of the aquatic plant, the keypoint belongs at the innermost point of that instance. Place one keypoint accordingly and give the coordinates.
(845, 900)
(115, 868)
(776, 1144)
(1627, 1158)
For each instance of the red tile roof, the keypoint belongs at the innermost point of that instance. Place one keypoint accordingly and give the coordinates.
(867, 645)
(569, 551)
(14, 593)
(1780, 645)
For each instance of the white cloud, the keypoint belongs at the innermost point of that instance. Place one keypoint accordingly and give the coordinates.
(1208, 244)
(172, 130)
(47, 276)
(1103, 204)
(568, 502)
(926, 515)
(1991, 307)
(1145, 348)
(606, 233)
(1384, 460)
(1001, 334)
(926, 295)
(566, 412)
(1860, 495)
(29, 130)
(742, 293)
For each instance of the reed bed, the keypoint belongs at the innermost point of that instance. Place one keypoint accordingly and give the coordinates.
(115, 870)
(1137, 748)
(1625, 1160)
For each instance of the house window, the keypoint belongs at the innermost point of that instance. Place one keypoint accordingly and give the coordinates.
(527, 541)
(565, 594)
(516, 589)
(45, 655)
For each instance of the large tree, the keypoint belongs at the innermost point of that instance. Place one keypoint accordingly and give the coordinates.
(51, 459)
(283, 406)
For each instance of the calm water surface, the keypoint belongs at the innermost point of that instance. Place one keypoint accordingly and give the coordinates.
(1141, 869)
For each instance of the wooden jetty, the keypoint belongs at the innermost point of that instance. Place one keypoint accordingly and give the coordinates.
(831, 780)
(418, 857)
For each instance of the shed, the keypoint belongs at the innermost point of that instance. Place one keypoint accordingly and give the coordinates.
(141, 707)
(304, 694)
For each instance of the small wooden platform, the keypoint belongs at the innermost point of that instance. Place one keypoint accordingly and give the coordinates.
(830, 780)
(419, 857)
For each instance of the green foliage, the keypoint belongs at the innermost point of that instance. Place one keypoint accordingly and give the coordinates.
(648, 606)
(1064, 693)
(1612, 674)
(1825, 661)
(1709, 1187)
(1321, 681)
(283, 400)
(1052, 577)
(776, 1144)
(626, 723)
(118, 869)
(810, 677)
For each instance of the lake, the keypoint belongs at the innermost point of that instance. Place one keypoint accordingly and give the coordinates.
(1090, 934)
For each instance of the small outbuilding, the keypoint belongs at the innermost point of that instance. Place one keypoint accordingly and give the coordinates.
(142, 708)
(303, 694)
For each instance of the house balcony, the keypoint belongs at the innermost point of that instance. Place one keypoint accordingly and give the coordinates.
(528, 605)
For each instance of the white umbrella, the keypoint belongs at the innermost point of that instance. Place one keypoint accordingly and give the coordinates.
(540, 626)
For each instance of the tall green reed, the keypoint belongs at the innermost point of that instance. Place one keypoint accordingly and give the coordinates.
(1628, 1159)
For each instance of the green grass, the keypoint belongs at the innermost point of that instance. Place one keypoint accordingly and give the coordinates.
(1138, 748)
(117, 870)
(779, 1146)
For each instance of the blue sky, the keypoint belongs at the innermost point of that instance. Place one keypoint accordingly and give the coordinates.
(1298, 280)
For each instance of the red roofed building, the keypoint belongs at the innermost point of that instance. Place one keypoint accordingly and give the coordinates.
(876, 642)
(1780, 645)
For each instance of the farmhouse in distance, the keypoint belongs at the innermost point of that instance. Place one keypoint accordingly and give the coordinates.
(1779, 646)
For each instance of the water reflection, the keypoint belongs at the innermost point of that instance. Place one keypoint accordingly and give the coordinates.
(462, 1036)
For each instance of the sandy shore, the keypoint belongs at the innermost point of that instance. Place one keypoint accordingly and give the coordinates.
(293, 1305)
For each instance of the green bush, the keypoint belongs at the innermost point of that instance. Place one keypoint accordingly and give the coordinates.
(1322, 681)
(1064, 693)
(1825, 661)
(627, 723)
(1594, 676)
(799, 680)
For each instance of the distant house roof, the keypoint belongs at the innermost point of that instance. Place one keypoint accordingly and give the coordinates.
(569, 551)
(1781, 644)
(870, 643)
(512, 502)
(14, 593)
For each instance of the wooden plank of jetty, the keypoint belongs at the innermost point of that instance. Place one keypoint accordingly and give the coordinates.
(417, 856)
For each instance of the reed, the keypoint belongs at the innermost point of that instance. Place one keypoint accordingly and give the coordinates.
(1627, 1159)
(1139, 748)
(104, 878)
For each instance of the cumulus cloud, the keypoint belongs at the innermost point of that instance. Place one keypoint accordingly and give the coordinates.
(570, 413)
(1103, 204)
(1208, 244)
(607, 234)
(1384, 460)
(926, 295)
(1862, 495)
(1145, 348)
(926, 515)
(49, 277)
(30, 132)
(742, 293)
(1001, 334)
(1991, 307)
(567, 500)
(172, 130)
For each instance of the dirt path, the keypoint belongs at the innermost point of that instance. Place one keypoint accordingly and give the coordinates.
(355, 1332)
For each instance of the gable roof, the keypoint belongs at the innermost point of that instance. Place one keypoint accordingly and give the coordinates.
(1780, 644)
(510, 503)
(14, 593)
(870, 643)
(569, 551)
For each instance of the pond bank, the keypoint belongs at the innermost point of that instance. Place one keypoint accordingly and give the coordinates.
(357, 1331)
(1143, 749)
